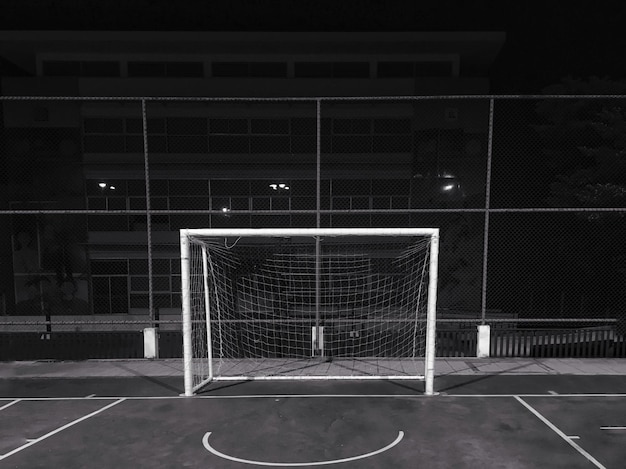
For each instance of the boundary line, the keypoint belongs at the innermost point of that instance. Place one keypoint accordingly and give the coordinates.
(556, 430)
(60, 429)
(10, 404)
(306, 396)
(207, 445)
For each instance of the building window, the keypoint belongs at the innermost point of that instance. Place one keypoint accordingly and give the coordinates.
(351, 70)
(146, 69)
(187, 126)
(199, 135)
(352, 126)
(392, 126)
(230, 69)
(165, 69)
(313, 70)
(419, 69)
(444, 143)
(103, 125)
(110, 286)
(270, 126)
(57, 68)
(228, 126)
(100, 69)
(75, 68)
(165, 283)
(268, 69)
(331, 70)
(433, 69)
(184, 69)
(249, 69)
(395, 70)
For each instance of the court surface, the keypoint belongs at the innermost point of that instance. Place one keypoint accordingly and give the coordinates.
(487, 414)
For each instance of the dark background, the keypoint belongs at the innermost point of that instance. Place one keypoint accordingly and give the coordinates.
(546, 41)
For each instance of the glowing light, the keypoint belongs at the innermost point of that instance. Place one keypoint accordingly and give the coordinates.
(102, 185)
(274, 186)
(448, 187)
(112, 188)
(225, 209)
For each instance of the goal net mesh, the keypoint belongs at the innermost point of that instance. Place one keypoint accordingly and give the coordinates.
(297, 307)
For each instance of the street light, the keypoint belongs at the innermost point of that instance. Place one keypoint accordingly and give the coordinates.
(279, 186)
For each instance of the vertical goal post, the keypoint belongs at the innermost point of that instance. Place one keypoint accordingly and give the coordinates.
(308, 303)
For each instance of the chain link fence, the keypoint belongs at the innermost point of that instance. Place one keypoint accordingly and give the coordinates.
(529, 194)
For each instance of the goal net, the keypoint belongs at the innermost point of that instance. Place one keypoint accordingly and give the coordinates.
(308, 304)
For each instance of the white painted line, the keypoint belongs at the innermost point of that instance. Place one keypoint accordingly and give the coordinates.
(10, 404)
(60, 429)
(90, 396)
(554, 393)
(321, 378)
(612, 428)
(441, 395)
(573, 437)
(555, 429)
(313, 396)
(205, 442)
(582, 394)
(416, 395)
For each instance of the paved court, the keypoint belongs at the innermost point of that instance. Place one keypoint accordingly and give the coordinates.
(488, 413)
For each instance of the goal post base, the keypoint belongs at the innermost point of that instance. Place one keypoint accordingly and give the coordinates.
(483, 346)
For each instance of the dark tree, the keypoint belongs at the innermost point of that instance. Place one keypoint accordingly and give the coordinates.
(585, 144)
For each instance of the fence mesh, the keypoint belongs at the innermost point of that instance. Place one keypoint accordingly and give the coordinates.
(530, 196)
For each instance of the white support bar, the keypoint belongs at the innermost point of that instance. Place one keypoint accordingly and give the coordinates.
(317, 341)
(289, 232)
(207, 311)
(150, 342)
(484, 340)
(431, 313)
(186, 307)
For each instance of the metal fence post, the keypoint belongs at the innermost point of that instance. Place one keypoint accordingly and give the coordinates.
(483, 301)
(144, 121)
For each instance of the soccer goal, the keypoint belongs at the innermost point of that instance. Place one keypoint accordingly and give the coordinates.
(308, 304)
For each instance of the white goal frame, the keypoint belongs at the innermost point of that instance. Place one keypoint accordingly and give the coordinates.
(185, 234)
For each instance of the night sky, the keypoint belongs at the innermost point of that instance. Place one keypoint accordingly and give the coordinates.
(546, 41)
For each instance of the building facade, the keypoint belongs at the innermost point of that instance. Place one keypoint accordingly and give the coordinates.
(228, 137)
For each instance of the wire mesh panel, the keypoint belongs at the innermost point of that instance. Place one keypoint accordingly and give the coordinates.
(528, 193)
(555, 265)
(558, 178)
(307, 303)
(41, 155)
(238, 164)
(70, 225)
(564, 152)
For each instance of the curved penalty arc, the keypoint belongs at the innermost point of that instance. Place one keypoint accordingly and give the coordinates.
(207, 445)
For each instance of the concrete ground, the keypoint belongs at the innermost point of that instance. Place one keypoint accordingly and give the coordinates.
(444, 367)
(488, 413)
